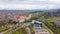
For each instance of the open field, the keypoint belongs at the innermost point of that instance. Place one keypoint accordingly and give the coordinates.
(49, 22)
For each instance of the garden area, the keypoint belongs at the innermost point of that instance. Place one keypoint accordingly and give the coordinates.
(21, 31)
(32, 29)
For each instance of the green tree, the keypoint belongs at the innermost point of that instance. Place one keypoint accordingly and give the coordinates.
(33, 18)
(11, 22)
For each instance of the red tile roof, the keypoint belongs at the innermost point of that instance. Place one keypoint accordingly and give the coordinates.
(22, 17)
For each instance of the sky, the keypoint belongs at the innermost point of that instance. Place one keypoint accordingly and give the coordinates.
(29, 4)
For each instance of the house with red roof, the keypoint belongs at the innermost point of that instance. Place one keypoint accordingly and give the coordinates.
(23, 18)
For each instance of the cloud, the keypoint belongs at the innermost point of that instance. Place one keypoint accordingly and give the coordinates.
(29, 4)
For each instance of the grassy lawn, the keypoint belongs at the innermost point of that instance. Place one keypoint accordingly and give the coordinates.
(2, 28)
(48, 29)
(50, 23)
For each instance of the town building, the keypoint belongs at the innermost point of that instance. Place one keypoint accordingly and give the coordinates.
(36, 23)
(42, 32)
(38, 27)
(23, 18)
(2, 24)
(57, 23)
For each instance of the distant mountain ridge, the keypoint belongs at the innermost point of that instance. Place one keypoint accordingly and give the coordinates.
(21, 11)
